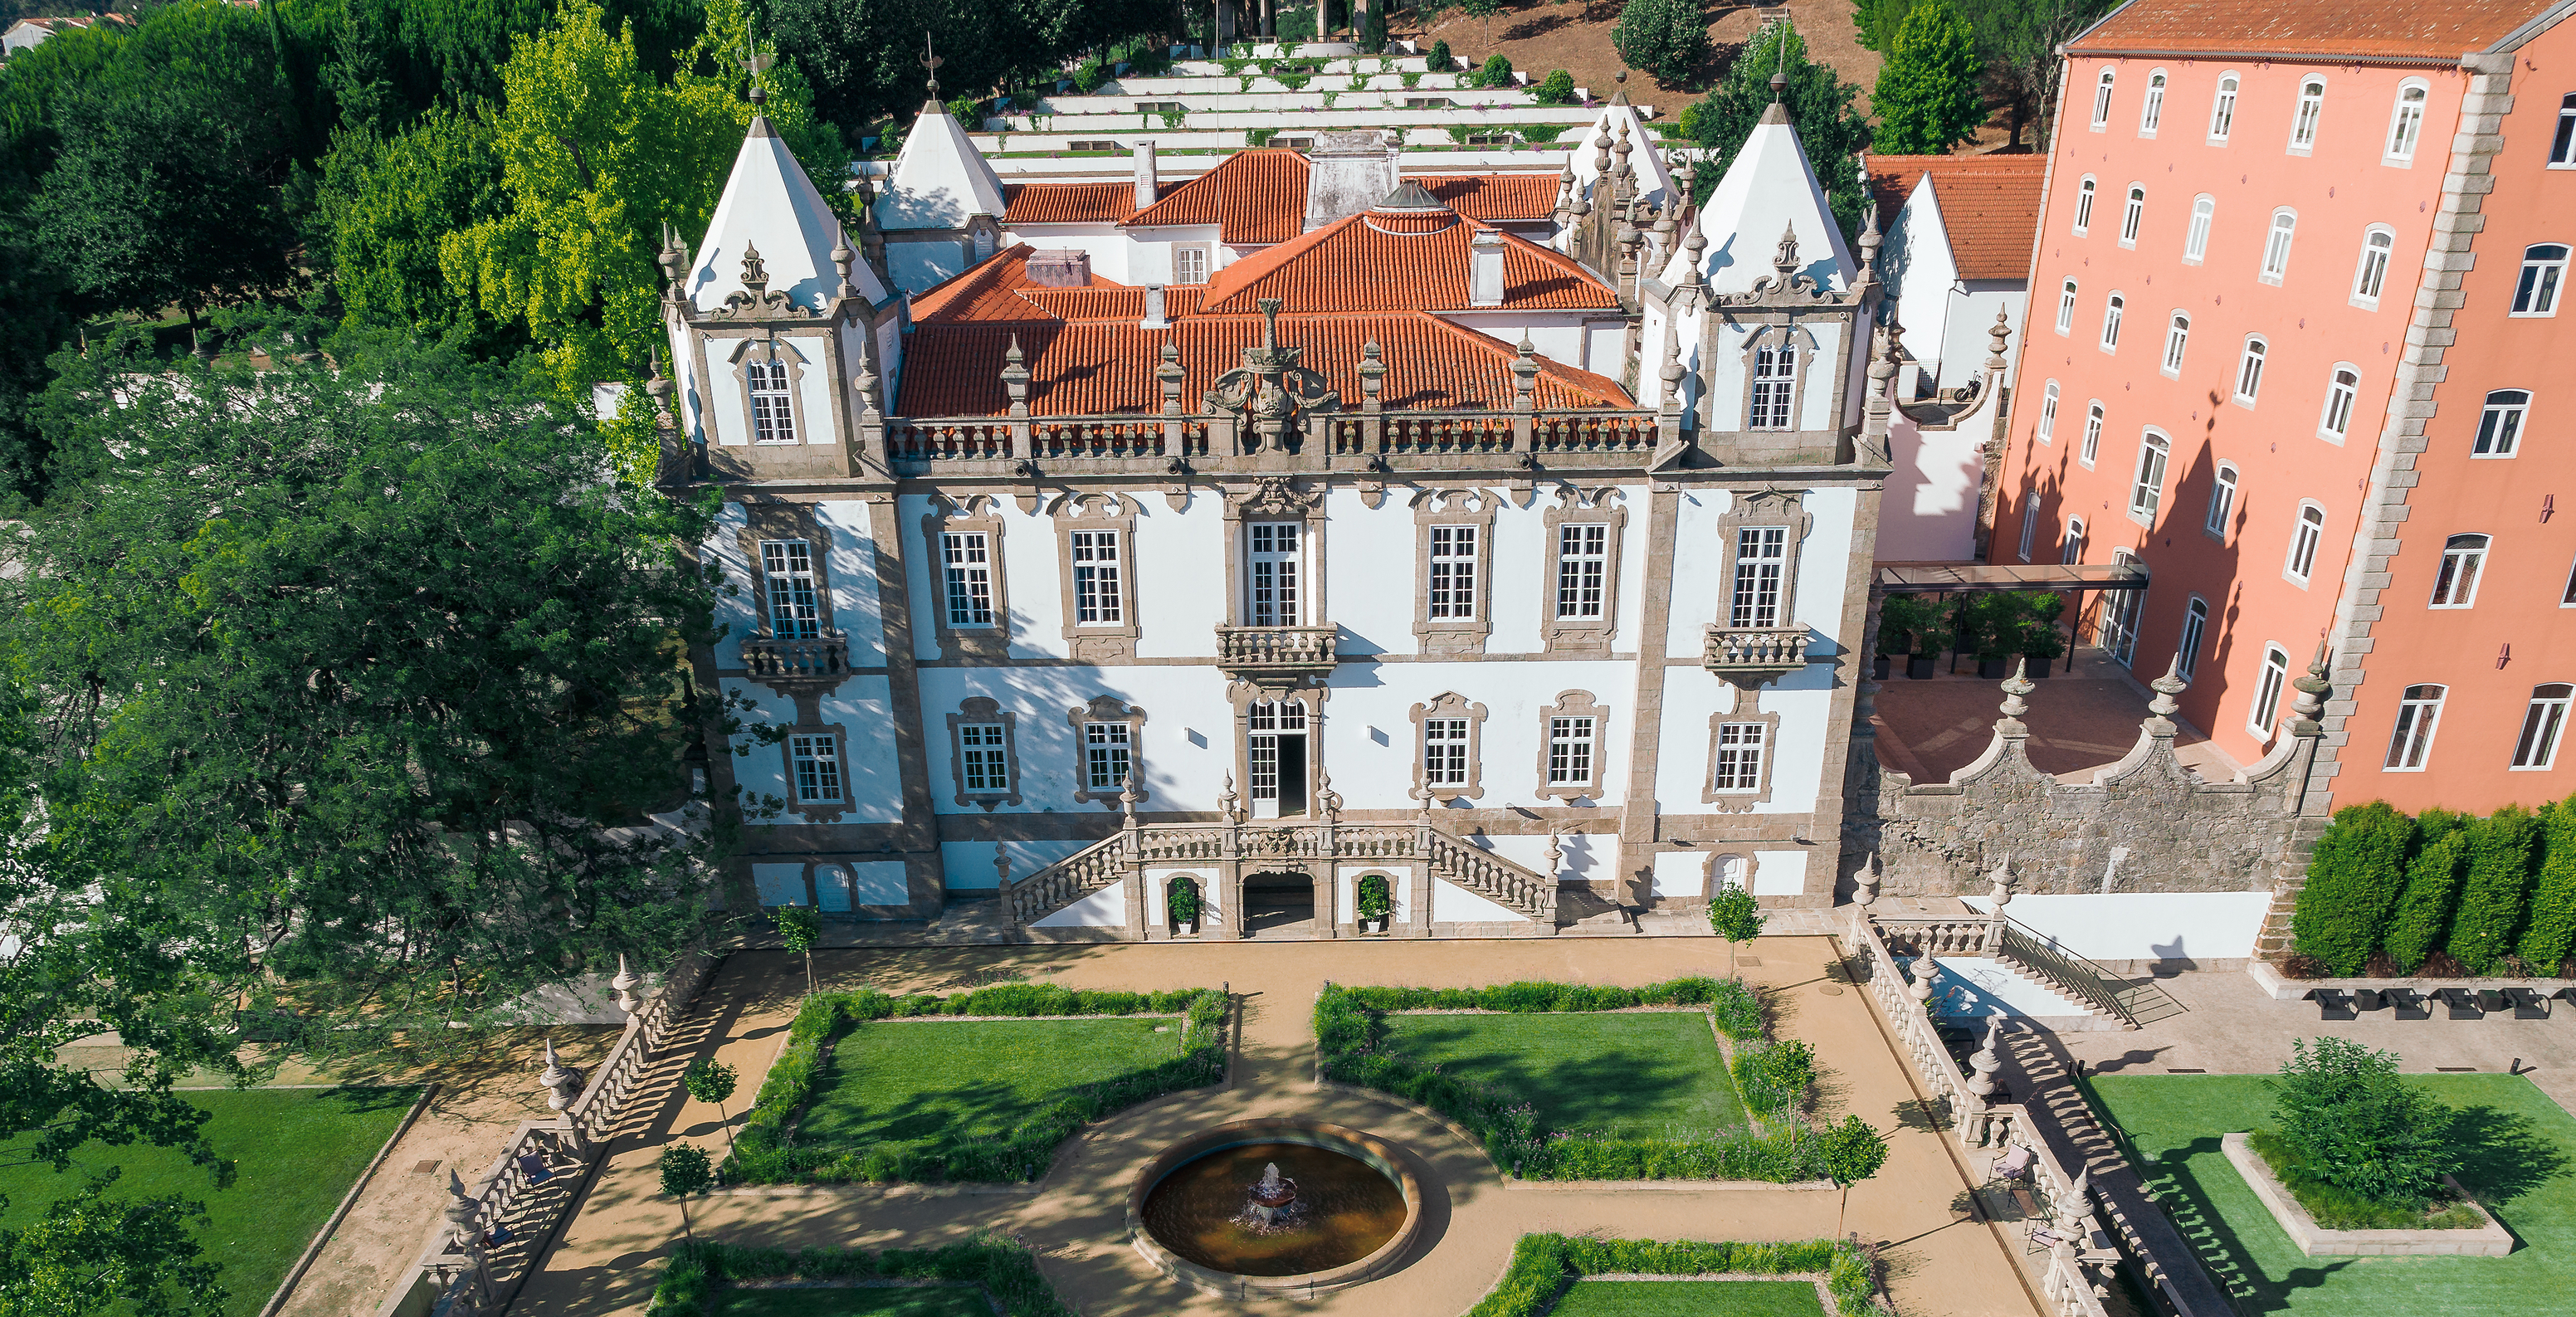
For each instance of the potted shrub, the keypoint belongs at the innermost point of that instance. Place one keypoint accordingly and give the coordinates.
(1903, 623)
(2041, 642)
(1375, 904)
(1991, 625)
(1185, 907)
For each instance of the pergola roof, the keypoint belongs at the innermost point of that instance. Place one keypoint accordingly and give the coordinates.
(1990, 578)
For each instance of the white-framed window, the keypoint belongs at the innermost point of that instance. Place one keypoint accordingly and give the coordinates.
(2102, 101)
(1761, 554)
(1452, 586)
(2177, 337)
(2153, 110)
(773, 415)
(2405, 124)
(2029, 522)
(2073, 551)
(1739, 756)
(2276, 247)
(1274, 585)
(2419, 714)
(2267, 692)
(2195, 625)
(2195, 240)
(1266, 723)
(2084, 206)
(2536, 750)
(2120, 617)
(2092, 445)
(2046, 431)
(2132, 213)
(818, 766)
(2222, 110)
(1569, 750)
(2500, 425)
(2464, 560)
(2249, 370)
(2112, 310)
(2562, 146)
(2222, 501)
(1775, 384)
(1107, 750)
(2066, 307)
(1582, 570)
(2343, 390)
(1097, 598)
(966, 567)
(2305, 536)
(1189, 265)
(1444, 752)
(2147, 490)
(2544, 267)
(2303, 120)
(984, 757)
(2370, 274)
(795, 611)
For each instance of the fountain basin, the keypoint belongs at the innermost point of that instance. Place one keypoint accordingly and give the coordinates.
(1358, 1208)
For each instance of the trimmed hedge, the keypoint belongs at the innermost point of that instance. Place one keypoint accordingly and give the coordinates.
(2552, 930)
(1004, 1268)
(1350, 1037)
(2354, 876)
(765, 1153)
(1543, 1265)
(2432, 885)
(2491, 900)
(2441, 893)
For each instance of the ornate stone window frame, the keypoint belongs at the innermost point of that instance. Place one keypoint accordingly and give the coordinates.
(817, 811)
(1451, 704)
(1097, 642)
(786, 521)
(1749, 508)
(1454, 507)
(1569, 704)
(1578, 508)
(977, 514)
(1103, 709)
(985, 709)
(1803, 341)
(1274, 498)
(770, 344)
(1736, 800)
(1243, 695)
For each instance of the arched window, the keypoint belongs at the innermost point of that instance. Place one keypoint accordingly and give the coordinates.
(2195, 622)
(2343, 389)
(2111, 311)
(2249, 370)
(2304, 539)
(2154, 109)
(2537, 748)
(2177, 337)
(2074, 541)
(2195, 240)
(2131, 214)
(2410, 743)
(2029, 522)
(2562, 148)
(2092, 434)
(2500, 425)
(2267, 692)
(2405, 123)
(2276, 248)
(2222, 501)
(2084, 206)
(2544, 267)
(2102, 101)
(2147, 489)
(2303, 120)
(2371, 275)
(2066, 307)
(2222, 110)
(2464, 560)
(2047, 429)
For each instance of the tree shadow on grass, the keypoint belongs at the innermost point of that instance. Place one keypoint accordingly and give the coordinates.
(359, 1099)
(2223, 1252)
(1622, 1090)
(2502, 1154)
(980, 1109)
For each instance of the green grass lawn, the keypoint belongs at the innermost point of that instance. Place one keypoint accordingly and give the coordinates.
(915, 1082)
(1689, 1298)
(1647, 1073)
(2519, 1158)
(297, 1151)
(919, 1301)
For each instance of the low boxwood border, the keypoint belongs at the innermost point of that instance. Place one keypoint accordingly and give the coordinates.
(1000, 1265)
(1544, 1265)
(766, 1151)
(1350, 1036)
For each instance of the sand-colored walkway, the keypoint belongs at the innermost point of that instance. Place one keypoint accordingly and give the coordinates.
(1942, 1262)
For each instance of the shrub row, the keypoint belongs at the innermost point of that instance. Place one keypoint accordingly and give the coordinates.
(1737, 1010)
(999, 1264)
(2441, 892)
(1542, 1266)
(766, 1153)
(1350, 1035)
(2338, 1208)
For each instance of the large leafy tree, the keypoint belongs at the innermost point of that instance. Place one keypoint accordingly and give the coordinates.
(1875, 22)
(383, 207)
(1666, 38)
(2018, 40)
(865, 55)
(1930, 93)
(1832, 133)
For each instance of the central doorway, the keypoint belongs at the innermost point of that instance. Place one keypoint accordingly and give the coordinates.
(1276, 750)
(1278, 904)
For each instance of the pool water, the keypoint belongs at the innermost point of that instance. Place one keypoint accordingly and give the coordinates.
(1346, 1209)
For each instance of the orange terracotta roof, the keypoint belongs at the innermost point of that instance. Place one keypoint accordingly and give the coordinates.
(1989, 204)
(2323, 29)
(1356, 264)
(1113, 302)
(1255, 197)
(1492, 197)
(1067, 203)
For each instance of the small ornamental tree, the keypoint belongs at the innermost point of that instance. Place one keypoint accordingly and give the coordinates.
(1439, 59)
(2354, 877)
(1185, 901)
(2545, 941)
(1483, 10)
(1850, 1153)
(2491, 899)
(1375, 902)
(2432, 884)
(709, 1080)
(1734, 915)
(800, 927)
(1556, 89)
(2344, 1116)
(1666, 38)
(685, 1173)
(1931, 90)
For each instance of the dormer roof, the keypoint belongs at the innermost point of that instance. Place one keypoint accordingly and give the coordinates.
(1409, 252)
(940, 180)
(1769, 188)
(770, 204)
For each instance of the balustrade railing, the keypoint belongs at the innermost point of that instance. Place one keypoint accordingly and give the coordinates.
(1403, 432)
(950, 441)
(2065, 971)
(1941, 937)
(1113, 858)
(1287, 650)
(774, 658)
(1755, 649)
(1492, 432)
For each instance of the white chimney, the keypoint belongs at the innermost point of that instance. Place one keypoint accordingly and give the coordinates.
(1154, 318)
(1146, 185)
(1485, 268)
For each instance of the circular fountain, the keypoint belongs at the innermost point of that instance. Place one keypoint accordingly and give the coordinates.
(1275, 1207)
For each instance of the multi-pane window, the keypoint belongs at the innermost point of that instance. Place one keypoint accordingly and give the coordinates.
(2464, 559)
(2303, 121)
(1272, 588)
(1582, 571)
(2153, 111)
(2405, 125)
(2066, 307)
(1739, 756)
(2500, 425)
(985, 760)
(2276, 248)
(1266, 723)
(2131, 215)
(2092, 444)
(1761, 554)
(788, 565)
(2419, 712)
(2267, 692)
(2222, 111)
(966, 562)
(2562, 148)
(1569, 751)
(2029, 523)
(2074, 551)
(2147, 491)
(773, 418)
(1098, 599)
(2222, 502)
(2177, 337)
(2249, 371)
(2195, 240)
(1444, 752)
(1775, 379)
(2342, 391)
(1189, 265)
(2544, 266)
(2304, 539)
(2537, 747)
(2102, 99)
(2111, 313)
(1453, 572)
(2371, 275)
(2120, 618)
(2047, 413)
(2195, 624)
(1107, 748)
(2084, 207)
(818, 767)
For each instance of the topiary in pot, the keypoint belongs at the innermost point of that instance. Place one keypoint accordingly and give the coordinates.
(1376, 904)
(2041, 642)
(1185, 904)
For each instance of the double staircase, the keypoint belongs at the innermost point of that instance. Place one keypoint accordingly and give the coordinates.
(2001, 941)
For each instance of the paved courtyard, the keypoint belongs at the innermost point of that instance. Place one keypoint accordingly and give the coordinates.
(2081, 721)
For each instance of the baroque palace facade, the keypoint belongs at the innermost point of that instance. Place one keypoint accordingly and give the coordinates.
(1401, 548)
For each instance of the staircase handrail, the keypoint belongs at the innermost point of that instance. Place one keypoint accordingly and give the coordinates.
(2067, 971)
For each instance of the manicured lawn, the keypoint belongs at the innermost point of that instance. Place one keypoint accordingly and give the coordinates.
(918, 1301)
(297, 1152)
(1689, 1298)
(902, 1082)
(1648, 1073)
(2519, 1152)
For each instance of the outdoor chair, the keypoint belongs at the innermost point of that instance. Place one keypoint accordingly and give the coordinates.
(2332, 1004)
(534, 1167)
(2014, 1165)
(498, 1235)
(2463, 1003)
(2410, 1005)
(2528, 1003)
(2042, 1239)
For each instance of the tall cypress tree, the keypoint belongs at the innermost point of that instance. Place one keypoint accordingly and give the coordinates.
(1830, 131)
(1930, 93)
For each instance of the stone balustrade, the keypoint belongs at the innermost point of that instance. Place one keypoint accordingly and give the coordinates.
(773, 658)
(1755, 651)
(1254, 652)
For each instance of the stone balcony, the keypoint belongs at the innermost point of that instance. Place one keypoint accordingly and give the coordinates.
(1755, 653)
(825, 657)
(1275, 653)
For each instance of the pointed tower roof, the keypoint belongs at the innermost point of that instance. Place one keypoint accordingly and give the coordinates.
(940, 179)
(1768, 187)
(771, 205)
(1619, 120)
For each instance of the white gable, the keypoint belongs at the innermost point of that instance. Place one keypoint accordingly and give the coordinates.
(1768, 189)
(940, 180)
(770, 204)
